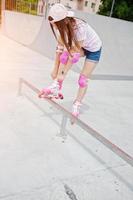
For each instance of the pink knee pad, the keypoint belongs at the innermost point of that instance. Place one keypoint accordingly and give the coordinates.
(64, 57)
(75, 58)
(83, 81)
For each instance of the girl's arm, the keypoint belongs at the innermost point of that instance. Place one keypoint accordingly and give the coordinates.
(78, 50)
(59, 50)
(56, 66)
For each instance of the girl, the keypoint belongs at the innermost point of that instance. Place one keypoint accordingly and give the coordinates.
(75, 39)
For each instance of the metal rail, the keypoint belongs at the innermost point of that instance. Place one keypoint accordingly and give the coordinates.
(66, 114)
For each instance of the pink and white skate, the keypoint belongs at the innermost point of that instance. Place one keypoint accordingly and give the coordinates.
(52, 91)
(46, 92)
(75, 111)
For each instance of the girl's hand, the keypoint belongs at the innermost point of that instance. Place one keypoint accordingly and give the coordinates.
(78, 51)
(75, 57)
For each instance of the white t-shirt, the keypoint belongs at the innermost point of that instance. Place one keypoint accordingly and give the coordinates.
(85, 33)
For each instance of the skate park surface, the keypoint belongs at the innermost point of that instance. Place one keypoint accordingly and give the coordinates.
(37, 164)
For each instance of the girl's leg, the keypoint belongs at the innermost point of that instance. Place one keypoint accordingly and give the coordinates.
(53, 90)
(63, 69)
(62, 72)
(58, 80)
(86, 71)
(83, 84)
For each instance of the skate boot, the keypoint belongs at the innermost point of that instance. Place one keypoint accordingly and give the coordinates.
(76, 108)
(52, 91)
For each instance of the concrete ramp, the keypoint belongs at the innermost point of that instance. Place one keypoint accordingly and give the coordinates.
(116, 36)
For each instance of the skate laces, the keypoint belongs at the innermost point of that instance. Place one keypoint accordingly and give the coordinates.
(54, 87)
(76, 107)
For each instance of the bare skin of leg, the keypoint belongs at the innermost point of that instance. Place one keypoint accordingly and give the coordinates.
(87, 71)
(63, 69)
(61, 72)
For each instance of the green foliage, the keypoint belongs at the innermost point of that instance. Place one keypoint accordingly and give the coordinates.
(27, 6)
(31, 1)
(123, 9)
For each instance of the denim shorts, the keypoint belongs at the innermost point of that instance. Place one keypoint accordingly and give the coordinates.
(92, 56)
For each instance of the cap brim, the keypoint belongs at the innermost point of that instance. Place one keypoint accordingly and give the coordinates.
(70, 14)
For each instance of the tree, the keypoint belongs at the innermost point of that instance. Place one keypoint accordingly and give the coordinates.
(123, 9)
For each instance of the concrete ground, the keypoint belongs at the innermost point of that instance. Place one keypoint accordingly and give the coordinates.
(36, 164)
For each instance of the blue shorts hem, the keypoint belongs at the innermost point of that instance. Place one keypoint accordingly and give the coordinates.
(92, 56)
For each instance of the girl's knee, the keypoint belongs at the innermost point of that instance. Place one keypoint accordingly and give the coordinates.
(65, 58)
(83, 81)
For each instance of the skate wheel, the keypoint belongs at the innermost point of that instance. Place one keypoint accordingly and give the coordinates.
(44, 93)
(60, 96)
